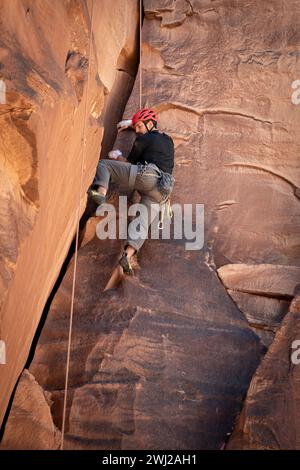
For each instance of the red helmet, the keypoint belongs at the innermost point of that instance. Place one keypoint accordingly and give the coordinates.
(144, 115)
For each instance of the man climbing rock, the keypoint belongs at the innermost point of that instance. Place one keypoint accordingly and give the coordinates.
(151, 157)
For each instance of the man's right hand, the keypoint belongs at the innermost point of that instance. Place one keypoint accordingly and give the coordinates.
(115, 154)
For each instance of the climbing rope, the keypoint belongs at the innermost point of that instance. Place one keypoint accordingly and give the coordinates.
(77, 233)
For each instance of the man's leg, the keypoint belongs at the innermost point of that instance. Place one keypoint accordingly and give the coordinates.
(146, 184)
(134, 243)
(120, 173)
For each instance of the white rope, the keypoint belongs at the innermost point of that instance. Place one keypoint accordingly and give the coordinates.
(77, 235)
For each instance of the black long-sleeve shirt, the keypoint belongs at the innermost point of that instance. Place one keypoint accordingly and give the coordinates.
(153, 147)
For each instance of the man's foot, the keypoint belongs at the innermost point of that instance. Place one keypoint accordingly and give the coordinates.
(125, 263)
(96, 197)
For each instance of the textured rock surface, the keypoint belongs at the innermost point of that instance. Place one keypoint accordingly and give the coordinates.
(264, 314)
(220, 73)
(164, 362)
(161, 363)
(260, 310)
(30, 425)
(263, 292)
(262, 279)
(237, 141)
(44, 64)
(270, 417)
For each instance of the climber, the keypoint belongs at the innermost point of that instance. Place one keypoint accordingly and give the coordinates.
(151, 157)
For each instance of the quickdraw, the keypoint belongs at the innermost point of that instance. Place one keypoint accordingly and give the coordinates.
(166, 209)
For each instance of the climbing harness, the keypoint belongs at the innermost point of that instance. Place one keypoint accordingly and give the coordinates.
(165, 183)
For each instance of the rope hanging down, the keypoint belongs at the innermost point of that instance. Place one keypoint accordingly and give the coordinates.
(83, 148)
(79, 207)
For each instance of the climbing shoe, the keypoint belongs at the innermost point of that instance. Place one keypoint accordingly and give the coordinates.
(96, 197)
(125, 263)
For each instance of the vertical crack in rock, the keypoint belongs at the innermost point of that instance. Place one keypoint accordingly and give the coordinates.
(166, 360)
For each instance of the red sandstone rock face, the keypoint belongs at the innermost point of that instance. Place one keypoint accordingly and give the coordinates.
(30, 424)
(263, 292)
(44, 55)
(161, 363)
(227, 103)
(220, 75)
(164, 362)
(270, 417)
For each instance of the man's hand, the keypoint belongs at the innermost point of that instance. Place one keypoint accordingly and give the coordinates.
(116, 155)
(122, 125)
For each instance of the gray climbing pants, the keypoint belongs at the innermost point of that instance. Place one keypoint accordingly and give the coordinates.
(140, 177)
